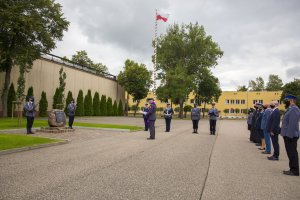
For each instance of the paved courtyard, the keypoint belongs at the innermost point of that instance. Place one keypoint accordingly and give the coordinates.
(105, 164)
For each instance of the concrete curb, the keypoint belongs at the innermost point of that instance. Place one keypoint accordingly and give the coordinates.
(9, 151)
(106, 129)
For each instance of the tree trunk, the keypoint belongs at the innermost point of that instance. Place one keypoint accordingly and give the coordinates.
(5, 89)
(137, 105)
(126, 105)
(204, 109)
(180, 109)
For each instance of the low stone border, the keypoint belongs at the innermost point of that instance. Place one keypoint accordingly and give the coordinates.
(106, 129)
(9, 151)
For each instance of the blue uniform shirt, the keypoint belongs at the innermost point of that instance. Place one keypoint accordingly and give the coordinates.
(290, 122)
(29, 109)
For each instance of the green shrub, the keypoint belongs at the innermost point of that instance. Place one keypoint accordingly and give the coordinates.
(10, 98)
(96, 104)
(43, 105)
(115, 108)
(109, 107)
(29, 93)
(88, 104)
(80, 105)
(120, 108)
(103, 106)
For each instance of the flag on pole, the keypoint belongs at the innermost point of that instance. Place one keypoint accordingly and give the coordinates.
(162, 16)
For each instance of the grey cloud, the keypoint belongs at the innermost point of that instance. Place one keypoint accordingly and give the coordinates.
(293, 72)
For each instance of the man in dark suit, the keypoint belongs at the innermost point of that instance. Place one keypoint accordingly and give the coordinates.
(273, 127)
(290, 133)
(151, 114)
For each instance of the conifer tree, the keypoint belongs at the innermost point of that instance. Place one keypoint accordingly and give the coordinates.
(43, 105)
(11, 97)
(96, 104)
(80, 105)
(88, 104)
(103, 106)
(115, 108)
(109, 107)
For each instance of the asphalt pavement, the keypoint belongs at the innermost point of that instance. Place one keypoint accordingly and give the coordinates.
(105, 164)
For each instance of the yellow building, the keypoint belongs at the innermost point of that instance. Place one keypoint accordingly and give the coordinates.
(234, 102)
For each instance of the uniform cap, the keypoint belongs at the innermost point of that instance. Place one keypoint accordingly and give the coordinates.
(291, 97)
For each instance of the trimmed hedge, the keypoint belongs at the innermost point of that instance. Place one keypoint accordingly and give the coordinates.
(120, 108)
(110, 111)
(88, 104)
(103, 106)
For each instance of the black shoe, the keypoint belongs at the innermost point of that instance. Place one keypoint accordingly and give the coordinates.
(273, 158)
(289, 173)
(150, 138)
(261, 148)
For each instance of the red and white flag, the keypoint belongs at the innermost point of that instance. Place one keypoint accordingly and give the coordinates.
(162, 16)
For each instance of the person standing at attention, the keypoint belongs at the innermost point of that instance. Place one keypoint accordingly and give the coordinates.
(168, 113)
(213, 116)
(273, 127)
(151, 114)
(29, 109)
(195, 116)
(290, 134)
(146, 109)
(71, 113)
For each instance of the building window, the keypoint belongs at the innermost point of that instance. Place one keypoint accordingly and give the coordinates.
(237, 101)
(261, 101)
(232, 101)
(192, 100)
(243, 101)
(254, 101)
(231, 110)
(227, 101)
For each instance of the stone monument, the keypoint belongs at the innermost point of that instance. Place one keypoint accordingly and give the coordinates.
(57, 122)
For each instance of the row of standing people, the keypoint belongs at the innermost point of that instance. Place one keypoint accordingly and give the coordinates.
(150, 110)
(264, 126)
(30, 109)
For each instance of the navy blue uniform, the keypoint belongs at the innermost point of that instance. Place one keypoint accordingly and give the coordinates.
(145, 118)
(168, 112)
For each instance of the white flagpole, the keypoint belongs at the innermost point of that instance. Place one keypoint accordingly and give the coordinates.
(155, 49)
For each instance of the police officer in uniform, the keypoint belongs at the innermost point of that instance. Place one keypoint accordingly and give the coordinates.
(290, 133)
(29, 109)
(71, 113)
(146, 109)
(213, 116)
(195, 116)
(168, 113)
(151, 114)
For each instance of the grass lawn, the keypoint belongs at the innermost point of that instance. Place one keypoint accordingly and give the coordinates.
(8, 123)
(11, 141)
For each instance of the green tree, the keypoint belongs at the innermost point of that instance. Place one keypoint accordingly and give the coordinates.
(120, 108)
(292, 88)
(11, 97)
(182, 54)
(257, 85)
(28, 28)
(55, 99)
(275, 83)
(20, 86)
(81, 57)
(88, 104)
(43, 105)
(136, 79)
(29, 93)
(68, 100)
(208, 89)
(242, 88)
(96, 104)
(103, 106)
(80, 104)
(115, 108)
(109, 107)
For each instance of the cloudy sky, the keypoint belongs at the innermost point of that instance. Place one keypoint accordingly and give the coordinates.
(258, 37)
